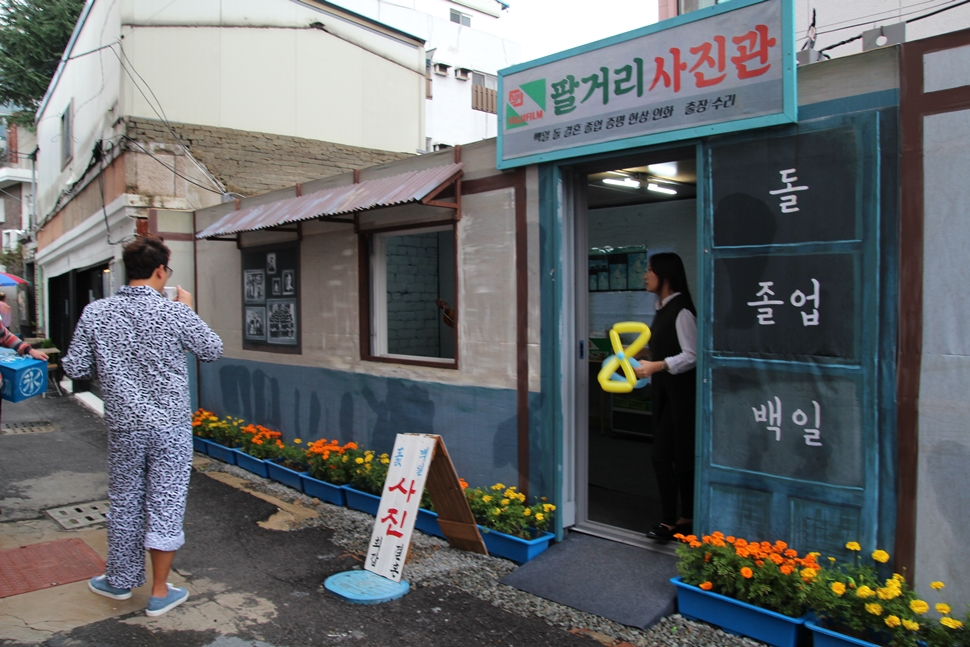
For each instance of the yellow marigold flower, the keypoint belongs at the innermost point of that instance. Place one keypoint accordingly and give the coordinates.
(498, 486)
(368, 458)
(359, 460)
(888, 593)
(951, 623)
(898, 578)
(808, 574)
(874, 608)
(853, 545)
(345, 458)
(540, 516)
(864, 592)
(919, 606)
(912, 626)
(505, 502)
(527, 512)
(509, 493)
(880, 556)
(937, 585)
(497, 511)
(548, 507)
(385, 460)
(892, 621)
(521, 498)
(942, 608)
(297, 441)
(487, 498)
(838, 588)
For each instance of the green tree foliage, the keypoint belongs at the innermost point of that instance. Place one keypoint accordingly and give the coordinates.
(33, 35)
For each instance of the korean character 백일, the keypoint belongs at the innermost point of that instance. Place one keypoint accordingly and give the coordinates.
(813, 437)
(770, 413)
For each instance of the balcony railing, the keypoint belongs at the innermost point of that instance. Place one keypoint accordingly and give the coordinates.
(484, 99)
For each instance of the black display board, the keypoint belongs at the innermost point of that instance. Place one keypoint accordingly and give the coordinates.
(787, 189)
(790, 306)
(795, 425)
(271, 298)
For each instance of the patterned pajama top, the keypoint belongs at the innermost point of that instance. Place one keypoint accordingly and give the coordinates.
(135, 343)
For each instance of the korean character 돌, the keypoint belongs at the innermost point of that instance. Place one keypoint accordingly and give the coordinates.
(799, 298)
(813, 437)
(788, 202)
(765, 314)
(770, 413)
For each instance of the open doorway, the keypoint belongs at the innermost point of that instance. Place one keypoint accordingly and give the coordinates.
(634, 208)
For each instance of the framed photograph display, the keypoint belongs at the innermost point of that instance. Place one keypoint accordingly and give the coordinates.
(271, 298)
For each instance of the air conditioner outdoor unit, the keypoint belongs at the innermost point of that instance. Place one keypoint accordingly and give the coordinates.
(462, 73)
(441, 69)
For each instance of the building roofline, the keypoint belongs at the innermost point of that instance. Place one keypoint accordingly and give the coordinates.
(66, 55)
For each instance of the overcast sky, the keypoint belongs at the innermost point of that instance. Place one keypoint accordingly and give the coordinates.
(547, 26)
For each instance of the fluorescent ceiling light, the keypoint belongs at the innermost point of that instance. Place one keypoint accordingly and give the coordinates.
(659, 189)
(668, 169)
(627, 182)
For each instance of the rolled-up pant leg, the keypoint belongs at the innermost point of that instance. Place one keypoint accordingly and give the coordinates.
(126, 517)
(169, 469)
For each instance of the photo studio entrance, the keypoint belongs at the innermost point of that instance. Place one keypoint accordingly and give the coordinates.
(626, 209)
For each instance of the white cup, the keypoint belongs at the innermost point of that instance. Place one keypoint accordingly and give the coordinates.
(170, 292)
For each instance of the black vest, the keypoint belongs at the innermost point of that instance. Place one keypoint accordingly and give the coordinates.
(663, 338)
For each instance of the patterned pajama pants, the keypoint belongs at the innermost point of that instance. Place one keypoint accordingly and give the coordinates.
(148, 482)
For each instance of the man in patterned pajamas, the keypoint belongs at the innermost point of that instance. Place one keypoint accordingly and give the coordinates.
(134, 342)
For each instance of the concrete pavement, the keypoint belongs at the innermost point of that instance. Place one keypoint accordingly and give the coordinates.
(254, 571)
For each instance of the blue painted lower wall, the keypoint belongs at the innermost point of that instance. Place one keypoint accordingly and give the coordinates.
(477, 424)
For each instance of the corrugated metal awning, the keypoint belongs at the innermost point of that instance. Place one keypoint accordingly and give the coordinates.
(413, 186)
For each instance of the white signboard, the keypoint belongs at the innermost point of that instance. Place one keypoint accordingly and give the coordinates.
(406, 475)
(730, 67)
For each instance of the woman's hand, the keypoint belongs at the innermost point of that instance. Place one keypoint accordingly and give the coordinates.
(36, 354)
(646, 369)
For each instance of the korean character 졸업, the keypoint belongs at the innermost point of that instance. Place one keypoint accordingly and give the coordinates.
(770, 413)
(788, 202)
(765, 314)
(813, 437)
(799, 298)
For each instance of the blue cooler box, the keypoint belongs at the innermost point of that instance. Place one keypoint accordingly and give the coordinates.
(23, 377)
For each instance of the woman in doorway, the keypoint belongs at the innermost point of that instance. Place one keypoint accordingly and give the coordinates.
(673, 354)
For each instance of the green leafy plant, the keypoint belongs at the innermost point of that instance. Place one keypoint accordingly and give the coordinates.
(368, 470)
(771, 576)
(261, 442)
(293, 456)
(853, 599)
(327, 463)
(504, 509)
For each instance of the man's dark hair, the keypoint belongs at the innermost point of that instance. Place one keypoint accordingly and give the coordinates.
(143, 255)
(3, 297)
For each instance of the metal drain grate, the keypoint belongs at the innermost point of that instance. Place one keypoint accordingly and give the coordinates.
(35, 427)
(79, 515)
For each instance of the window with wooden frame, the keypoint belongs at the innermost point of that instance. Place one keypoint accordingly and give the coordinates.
(67, 135)
(271, 298)
(409, 290)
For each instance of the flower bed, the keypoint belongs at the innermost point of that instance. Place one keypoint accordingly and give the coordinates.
(335, 494)
(251, 464)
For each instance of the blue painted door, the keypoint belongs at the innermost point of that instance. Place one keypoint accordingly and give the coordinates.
(791, 442)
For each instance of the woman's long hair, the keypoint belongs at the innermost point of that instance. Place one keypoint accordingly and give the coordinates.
(669, 267)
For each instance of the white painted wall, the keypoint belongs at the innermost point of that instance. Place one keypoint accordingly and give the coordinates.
(480, 47)
(837, 20)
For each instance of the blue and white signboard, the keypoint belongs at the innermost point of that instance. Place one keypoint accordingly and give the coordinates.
(726, 68)
(23, 377)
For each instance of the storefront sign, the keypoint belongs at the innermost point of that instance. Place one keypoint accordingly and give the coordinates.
(400, 500)
(727, 68)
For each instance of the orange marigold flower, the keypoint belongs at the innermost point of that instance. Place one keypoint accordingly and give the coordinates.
(759, 562)
(729, 539)
(740, 542)
(695, 544)
(776, 558)
(707, 586)
(786, 569)
(747, 573)
(791, 553)
(463, 483)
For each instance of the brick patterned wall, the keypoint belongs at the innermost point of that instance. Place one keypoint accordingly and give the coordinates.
(250, 163)
(412, 288)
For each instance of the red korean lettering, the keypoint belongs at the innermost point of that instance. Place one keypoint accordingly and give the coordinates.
(753, 46)
(705, 58)
(403, 490)
(393, 522)
(672, 78)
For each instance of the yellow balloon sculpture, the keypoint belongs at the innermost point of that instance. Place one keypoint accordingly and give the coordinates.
(623, 357)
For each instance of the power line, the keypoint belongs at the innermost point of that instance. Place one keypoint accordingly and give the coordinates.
(868, 19)
(170, 168)
(927, 15)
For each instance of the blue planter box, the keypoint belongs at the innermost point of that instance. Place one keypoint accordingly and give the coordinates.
(335, 494)
(23, 377)
(222, 453)
(427, 522)
(737, 617)
(357, 500)
(200, 445)
(285, 475)
(514, 548)
(251, 464)
(822, 637)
